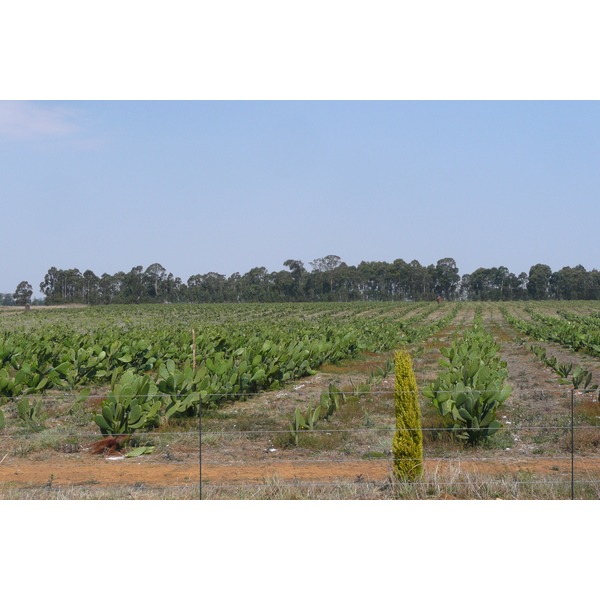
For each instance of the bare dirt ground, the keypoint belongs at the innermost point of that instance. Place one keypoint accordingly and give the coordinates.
(97, 471)
(9, 309)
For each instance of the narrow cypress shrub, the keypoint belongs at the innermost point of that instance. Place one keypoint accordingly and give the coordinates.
(407, 445)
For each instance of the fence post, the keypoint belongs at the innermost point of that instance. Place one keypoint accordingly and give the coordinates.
(200, 444)
(573, 444)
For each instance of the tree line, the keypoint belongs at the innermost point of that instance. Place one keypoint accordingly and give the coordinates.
(329, 279)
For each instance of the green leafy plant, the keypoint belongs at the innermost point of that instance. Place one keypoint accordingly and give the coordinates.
(304, 422)
(564, 370)
(30, 413)
(470, 389)
(568, 373)
(330, 400)
(132, 405)
(581, 379)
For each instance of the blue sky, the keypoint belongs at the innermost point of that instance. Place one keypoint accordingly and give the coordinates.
(225, 186)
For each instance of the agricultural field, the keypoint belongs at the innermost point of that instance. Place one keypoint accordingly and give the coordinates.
(296, 400)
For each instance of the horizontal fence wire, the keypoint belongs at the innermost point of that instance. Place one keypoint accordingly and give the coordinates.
(193, 434)
(274, 461)
(389, 459)
(236, 395)
(205, 432)
(390, 429)
(382, 484)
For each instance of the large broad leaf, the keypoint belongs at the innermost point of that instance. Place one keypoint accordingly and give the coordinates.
(101, 422)
(493, 427)
(259, 376)
(163, 372)
(139, 451)
(460, 399)
(505, 393)
(464, 414)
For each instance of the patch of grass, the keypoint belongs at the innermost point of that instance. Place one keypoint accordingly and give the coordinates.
(503, 438)
(86, 492)
(436, 436)
(588, 411)
(250, 422)
(179, 424)
(80, 416)
(351, 413)
(374, 454)
(208, 414)
(586, 439)
(211, 439)
(322, 441)
(455, 485)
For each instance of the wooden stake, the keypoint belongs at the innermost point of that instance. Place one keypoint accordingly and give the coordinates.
(194, 348)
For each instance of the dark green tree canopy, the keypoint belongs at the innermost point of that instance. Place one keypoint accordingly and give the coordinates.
(23, 293)
(330, 280)
(538, 285)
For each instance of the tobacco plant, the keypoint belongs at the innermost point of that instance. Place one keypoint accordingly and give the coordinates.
(470, 389)
(132, 405)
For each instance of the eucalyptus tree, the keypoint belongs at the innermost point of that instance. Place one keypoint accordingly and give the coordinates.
(256, 285)
(154, 278)
(7, 300)
(572, 283)
(234, 286)
(283, 286)
(594, 276)
(370, 280)
(90, 287)
(173, 289)
(421, 281)
(501, 275)
(479, 284)
(133, 289)
(299, 276)
(446, 278)
(211, 287)
(48, 286)
(62, 286)
(23, 293)
(405, 276)
(538, 283)
(108, 288)
(515, 287)
(326, 265)
(348, 281)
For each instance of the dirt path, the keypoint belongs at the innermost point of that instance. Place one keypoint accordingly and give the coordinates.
(102, 473)
(98, 472)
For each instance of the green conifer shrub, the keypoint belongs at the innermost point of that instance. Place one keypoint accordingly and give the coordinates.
(407, 445)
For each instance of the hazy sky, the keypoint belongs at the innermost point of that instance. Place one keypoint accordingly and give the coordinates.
(225, 186)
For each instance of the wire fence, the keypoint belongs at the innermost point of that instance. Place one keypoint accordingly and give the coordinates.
(547, 447)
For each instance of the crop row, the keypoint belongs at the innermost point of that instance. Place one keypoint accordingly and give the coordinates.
(470, 387)
(225, 359)
(573, 335)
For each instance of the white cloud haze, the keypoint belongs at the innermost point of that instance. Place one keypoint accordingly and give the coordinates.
(23, 120)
